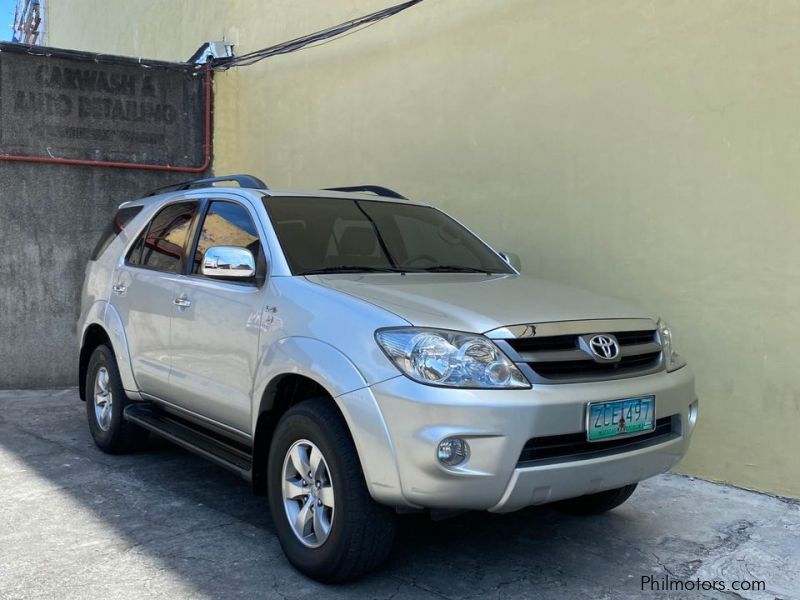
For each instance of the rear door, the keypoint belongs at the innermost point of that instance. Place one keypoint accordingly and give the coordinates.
(215, 336)
(145, 288)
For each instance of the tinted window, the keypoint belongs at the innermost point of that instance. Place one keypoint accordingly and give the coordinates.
(135, 254)
(226, 224)
(120, 221)
(162, 245)
(423, 237)
(318, 233)
(330, 234)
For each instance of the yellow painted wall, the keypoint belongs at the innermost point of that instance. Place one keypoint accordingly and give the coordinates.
(646, 150)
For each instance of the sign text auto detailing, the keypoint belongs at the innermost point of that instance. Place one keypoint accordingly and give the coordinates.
(115, 96)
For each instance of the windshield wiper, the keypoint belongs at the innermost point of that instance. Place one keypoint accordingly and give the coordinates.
(454, 269)
(353, 269)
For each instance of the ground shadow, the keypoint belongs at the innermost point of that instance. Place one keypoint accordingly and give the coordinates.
(202, 524)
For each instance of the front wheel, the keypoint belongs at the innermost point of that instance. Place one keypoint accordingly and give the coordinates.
(327, 523)
(595, 504)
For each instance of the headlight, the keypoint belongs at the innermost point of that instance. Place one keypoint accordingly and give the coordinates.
(672, 359)
(449, 358)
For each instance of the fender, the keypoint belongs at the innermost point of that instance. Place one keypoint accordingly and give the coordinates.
(311, 358)
(104, 314)
(337, 374)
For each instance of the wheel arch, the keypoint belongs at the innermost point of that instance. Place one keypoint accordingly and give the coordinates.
(94, 336)
(296, 369)
(283, 391)
(104, 325)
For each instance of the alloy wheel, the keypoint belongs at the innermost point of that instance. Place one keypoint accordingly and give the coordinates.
(103, 398)
(308, 493)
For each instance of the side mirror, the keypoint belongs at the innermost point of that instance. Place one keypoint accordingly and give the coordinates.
(228, 262)
(512, 259)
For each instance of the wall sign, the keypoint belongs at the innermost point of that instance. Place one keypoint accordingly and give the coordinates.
(121, 111)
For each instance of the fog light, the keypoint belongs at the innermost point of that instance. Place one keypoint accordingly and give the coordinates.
(452, 451)
(693, 414)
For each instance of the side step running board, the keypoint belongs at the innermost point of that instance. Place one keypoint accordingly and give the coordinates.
(191, 437)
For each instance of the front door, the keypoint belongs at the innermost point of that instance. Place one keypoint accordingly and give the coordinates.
(145, 288)
(215, 335)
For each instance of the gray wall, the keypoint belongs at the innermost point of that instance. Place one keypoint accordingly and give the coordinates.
(52, 215)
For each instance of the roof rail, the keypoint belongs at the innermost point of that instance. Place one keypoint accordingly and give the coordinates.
(245, 181)
(378, 190)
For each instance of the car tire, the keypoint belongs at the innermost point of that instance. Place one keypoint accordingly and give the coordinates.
(105, 402)
(595, 504)
(359, 532)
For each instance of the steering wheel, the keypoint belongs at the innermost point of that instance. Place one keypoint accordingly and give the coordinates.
(410, 262)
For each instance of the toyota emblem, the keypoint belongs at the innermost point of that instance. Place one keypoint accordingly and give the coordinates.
(604, 347)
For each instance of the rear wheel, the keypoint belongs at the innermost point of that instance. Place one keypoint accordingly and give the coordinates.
(105, 402)
(327, 523)
(595, 504)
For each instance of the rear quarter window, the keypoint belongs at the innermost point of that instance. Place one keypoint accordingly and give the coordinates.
(162, 244)
(117, 225)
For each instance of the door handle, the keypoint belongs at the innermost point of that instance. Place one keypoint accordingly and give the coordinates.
(119, 288)
(182, 302)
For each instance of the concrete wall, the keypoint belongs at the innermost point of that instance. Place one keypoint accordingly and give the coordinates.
(647, 150)
(51, 216)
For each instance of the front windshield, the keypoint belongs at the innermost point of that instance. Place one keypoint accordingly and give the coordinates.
(335, 235)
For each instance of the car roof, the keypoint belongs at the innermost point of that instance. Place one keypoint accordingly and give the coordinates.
(270, 193)
(294, 193)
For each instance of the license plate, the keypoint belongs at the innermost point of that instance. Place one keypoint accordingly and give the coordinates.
(620, 418)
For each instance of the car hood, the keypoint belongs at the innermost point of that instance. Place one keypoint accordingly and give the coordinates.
(476, 302)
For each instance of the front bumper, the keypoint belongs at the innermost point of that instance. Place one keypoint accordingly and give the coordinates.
(547, 483)
(497, 424)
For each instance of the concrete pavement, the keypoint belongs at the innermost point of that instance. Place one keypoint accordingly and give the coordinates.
(75, 523)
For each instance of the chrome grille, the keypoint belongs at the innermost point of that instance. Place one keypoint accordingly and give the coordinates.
(561, 359)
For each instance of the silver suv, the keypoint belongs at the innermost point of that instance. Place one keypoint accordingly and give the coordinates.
(355, 355)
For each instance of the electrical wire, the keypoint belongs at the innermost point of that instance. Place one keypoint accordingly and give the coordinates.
(311, 40)
(342, 35)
